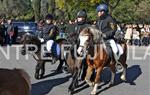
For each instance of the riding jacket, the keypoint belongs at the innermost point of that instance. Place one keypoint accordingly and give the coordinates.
(107, 25)
(49, 32)
(77, 28)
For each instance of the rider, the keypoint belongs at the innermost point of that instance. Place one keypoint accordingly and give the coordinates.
(81, 21)
(49, 35)
(107, 25)
(78, 26)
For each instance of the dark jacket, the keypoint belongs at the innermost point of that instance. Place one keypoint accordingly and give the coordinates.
(75, 29)
(2, 30)
(50, 32)
(107, 25)
(78, 27)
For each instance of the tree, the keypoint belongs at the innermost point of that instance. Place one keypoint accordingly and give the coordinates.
(13, 8)
(37, 8)
(44, 8)
(144, 9)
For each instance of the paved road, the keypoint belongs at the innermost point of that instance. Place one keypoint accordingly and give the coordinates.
(138, 75)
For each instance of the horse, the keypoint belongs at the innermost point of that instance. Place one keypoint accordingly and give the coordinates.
(18, 82)
(30, 39)
(94, 47)
(73, 64)
(74, 67)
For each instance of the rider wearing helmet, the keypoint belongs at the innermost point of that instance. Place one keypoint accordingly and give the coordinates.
(48, 27)
(50, 32)
(81, 23)
(107, 25)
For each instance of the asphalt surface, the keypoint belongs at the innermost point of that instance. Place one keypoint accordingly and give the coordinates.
(138, 74)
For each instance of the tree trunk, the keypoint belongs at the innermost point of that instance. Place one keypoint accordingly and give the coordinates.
(52, 7)
(44, 8)
(37, 8)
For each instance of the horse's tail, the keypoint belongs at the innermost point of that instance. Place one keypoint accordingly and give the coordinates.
(25, 76)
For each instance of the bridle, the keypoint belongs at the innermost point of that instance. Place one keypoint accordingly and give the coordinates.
(88, 43)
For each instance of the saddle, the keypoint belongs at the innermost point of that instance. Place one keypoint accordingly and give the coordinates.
(109, 50)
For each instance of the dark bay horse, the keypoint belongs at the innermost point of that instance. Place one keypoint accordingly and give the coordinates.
(29, 39)
(14, 82)
(74, 65)
(93, 45)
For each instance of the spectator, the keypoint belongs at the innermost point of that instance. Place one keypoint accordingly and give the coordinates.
(10, 32)
(2, 32)
(128, 34)
(136, 37)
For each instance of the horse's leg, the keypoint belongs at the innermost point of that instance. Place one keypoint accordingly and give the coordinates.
(74, 80)
(123, 60)
(40, 69)
(59, 68)
(37, 70)
(97, 80)
(123, 76)
(112, 67)
(88, 76)
(42, 65)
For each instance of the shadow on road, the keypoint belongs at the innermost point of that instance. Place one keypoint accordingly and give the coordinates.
(44, 87)
(52, 74)
(133, 73)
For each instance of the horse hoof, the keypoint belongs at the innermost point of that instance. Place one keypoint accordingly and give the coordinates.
(93, 93)
(70, 92)
(123, 78)
(91, 84)
(111, 85)
(41, 76)
(36, 76)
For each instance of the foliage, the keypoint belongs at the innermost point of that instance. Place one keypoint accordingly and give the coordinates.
(14, 8)
(122, 10)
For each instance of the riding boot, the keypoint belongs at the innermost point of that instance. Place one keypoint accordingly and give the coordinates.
(119, 66)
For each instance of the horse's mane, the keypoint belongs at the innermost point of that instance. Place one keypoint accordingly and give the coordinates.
(97, 35)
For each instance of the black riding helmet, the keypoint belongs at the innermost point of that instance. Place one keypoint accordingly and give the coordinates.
(49, 16)
(82, 13)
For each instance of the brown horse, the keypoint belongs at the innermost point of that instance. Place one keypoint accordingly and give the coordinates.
(92, 43)
(14, 82)
(32, 45)
(74, 67)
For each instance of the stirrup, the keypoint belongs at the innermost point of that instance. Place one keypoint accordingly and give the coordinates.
(119, 67)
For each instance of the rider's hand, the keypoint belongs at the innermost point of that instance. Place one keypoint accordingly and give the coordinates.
(41, 39)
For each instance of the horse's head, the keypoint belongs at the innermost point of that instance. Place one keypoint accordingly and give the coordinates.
(85, 40)
(28, 39)
(88, 37)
